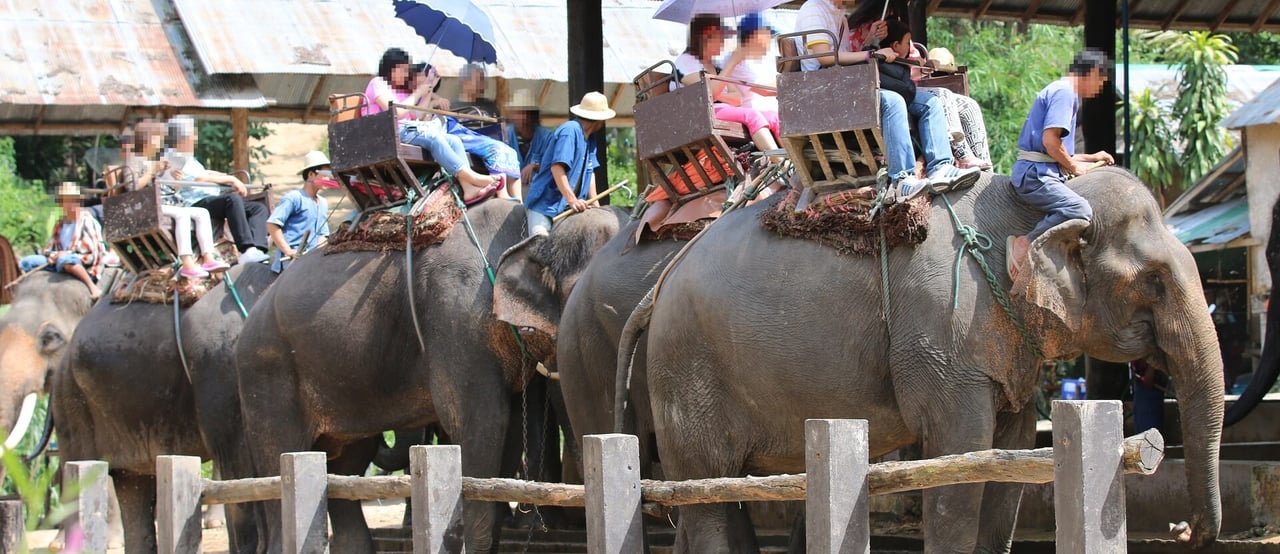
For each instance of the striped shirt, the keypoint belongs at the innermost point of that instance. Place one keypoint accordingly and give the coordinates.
(818, 15)
(86, 241)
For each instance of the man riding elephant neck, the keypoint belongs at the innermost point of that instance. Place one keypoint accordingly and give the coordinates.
(1045, 159)
(566, 172)
(302, 211)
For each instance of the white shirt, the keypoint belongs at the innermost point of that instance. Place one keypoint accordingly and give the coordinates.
(748, 72)
(817, 15)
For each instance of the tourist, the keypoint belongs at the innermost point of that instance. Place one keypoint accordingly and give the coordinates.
(76, 246)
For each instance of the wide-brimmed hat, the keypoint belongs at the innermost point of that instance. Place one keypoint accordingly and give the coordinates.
(594, 106)
(312, 160)
(943, 59)
(68, 189)
(523, 100)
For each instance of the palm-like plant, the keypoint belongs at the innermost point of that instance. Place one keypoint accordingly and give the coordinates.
(1154, 157)
(1201, 57)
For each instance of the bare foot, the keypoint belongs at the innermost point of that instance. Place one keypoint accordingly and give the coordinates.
(94, 293)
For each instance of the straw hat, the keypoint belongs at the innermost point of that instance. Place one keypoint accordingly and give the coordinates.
(68, 189)
(312, 160)
(943, 59)
(594, 106)
(523, 100)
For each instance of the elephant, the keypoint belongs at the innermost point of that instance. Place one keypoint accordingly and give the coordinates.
(1268, 368)
(330, 358)
(124, 395)
(732, 387)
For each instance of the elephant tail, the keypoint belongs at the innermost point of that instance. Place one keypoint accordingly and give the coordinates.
(627, 344)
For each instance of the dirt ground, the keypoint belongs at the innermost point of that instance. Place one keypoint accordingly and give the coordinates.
(288, 143)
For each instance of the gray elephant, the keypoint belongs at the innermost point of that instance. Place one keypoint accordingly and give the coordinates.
(330, 358)
(124, 396)
(751, 334)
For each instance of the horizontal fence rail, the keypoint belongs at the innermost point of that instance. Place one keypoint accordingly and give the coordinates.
(1087, 466)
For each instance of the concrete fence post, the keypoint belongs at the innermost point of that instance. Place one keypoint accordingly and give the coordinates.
(1088, 476)
(437, 499)
(837, 517)
(611, 478)
(304, 506)
(12, 525)
(178, 489)
(87, 484)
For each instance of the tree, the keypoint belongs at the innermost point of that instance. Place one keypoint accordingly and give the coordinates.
(1154, 158)
(26, 211)
(1201, 57)
(215, 148)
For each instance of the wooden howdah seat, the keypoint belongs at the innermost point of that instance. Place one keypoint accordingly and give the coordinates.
(133, 226)
(367, 157)
(829, 119)
(677, 131)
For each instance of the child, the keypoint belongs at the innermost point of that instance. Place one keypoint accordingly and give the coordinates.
(1045, 158)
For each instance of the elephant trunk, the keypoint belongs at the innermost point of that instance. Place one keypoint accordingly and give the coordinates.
(1192, 358)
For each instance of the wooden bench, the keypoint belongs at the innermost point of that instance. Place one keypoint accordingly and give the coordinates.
(829, 119)
(133, 226)
(676, 129)
(366, 155)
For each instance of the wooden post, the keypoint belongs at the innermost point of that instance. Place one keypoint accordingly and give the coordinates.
(178, 488)
(611, 478)
(87, 484)
(240, 139)
(1088, 476)
(837, 520)
(12, 525)
(437, 499)
(304, 504)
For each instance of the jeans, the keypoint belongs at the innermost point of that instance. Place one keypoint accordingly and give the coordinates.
(538, 222)
(445, 149)
(1043, 187)
(29, 263)
(247, 220)
(896, 124)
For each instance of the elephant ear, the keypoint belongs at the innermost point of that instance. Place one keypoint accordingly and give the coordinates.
(523, 295)
(1054, 279)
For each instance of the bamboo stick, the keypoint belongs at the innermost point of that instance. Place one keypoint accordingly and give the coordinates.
(606, 192)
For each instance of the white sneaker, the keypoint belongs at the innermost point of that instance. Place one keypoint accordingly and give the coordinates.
(253, 256)
(908, 188)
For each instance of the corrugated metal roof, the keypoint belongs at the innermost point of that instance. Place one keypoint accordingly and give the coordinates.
(99, 53)
(1217, 224)
(1225, 181)
(1263, 109)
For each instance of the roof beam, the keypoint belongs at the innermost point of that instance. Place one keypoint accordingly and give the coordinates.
(1222, 17)
(1079, 15)
(542, 94)
(617, 94)
(933, 5)
(315, 95)
(1032, 7)
(982, 10)
(39, 119)
(1174, 15)
(1264, 16)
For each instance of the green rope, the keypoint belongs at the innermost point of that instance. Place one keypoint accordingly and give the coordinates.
(235, 295)
(975, 243)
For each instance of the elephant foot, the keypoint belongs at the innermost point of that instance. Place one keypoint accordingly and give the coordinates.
(215, 517)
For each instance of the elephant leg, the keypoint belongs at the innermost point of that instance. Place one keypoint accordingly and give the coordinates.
(951, 513)
(350, 530)
(274, 425)
(137, 494)
(1000, 501)
(716, 528)
(115, 523)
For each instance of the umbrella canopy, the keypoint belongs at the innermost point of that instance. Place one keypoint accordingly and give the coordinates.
(455, 25)
(682, 11)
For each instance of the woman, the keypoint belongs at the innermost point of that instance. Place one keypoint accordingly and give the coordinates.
(499, 158)
(391, 84)
(706, 41)
(964, 115)
(145, 165)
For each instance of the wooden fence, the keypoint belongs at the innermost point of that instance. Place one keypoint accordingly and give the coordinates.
(1087, 465)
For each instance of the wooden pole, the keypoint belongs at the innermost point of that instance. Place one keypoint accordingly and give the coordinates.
(303, 502)
(23, 277)
(12, 525)
(86, 482)
(611, 472)
(1088, 484)
(437, 499)
(598, 196)
(178, 487)
(837, 519)
(240, 139)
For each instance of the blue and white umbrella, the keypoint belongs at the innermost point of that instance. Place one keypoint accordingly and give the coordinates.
(455, 25)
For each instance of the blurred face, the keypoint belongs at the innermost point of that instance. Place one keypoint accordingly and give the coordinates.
(400, 75)
(903, 47)
(427, 78)
(1091, 84)
(757, 44)
(474, 86)
(712, 43)
(70, 205)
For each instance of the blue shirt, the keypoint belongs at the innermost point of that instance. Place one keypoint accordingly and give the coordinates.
(537, 144)
(570, 147)
(1054, 108)
(296, 214)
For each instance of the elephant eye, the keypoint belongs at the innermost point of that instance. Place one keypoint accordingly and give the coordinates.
(1155, 283)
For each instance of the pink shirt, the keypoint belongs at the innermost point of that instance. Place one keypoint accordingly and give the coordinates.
(379, 88)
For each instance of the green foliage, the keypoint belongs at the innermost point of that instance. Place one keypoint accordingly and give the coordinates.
(1008, 65)
(1154, 158)
(36, 485)
(26, 211)
(1201, 57)
(54, 159)
(216, 151)
(622, 164)
(1257, 48)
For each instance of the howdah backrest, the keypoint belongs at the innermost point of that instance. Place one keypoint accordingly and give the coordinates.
(345, 107)
(651, 82)
(134, 227)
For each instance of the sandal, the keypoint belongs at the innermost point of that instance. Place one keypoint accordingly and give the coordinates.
(488, 191)
(1012, 263)
(193, 273)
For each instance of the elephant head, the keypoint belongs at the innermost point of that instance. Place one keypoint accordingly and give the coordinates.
(34, 334)
(1121, 287)
(536, 275)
